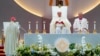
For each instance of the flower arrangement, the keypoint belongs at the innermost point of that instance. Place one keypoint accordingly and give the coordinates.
(97, 50)
(74, 50)
(33, 50)
(23, 51)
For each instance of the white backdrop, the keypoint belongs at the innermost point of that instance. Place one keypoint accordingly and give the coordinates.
(62, 9)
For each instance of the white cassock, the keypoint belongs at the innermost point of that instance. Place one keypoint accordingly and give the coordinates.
(80, 25)
(65, 30)
(56, 28)
(11, 38)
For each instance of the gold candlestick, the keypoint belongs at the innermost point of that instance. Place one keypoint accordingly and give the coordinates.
(29, 30)
(80, 32)
(44, 30)
(94, 31)
(87, 31)
(36, 31)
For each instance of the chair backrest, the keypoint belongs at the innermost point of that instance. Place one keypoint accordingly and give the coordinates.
(62, 9)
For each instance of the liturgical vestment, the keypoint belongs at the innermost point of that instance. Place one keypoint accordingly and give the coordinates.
(80, 25)
(11, 38)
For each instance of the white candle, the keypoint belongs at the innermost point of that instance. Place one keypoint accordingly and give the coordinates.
(43, 24)
(94, 25)
(87, 25)
(37, 25)
(29, 25)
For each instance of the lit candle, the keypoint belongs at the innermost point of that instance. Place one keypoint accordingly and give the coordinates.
(36, 25)
(29, 25)
(94, 25)
(43, 24)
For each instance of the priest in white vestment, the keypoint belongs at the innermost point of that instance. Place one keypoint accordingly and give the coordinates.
(60, 25)
(11, 38)
(80, 24)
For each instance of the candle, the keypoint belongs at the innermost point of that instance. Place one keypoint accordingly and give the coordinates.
(94, 25)
(36, 25)
(43, 24)
(87, 25)
(29, 25)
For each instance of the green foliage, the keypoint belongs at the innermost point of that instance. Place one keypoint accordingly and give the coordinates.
(24, 51)
(70, 53)
(44, 51)
(89, 46)
(72, 46)
(97, 50)
(77, 53)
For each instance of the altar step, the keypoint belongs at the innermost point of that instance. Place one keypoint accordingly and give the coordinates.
(2, 53)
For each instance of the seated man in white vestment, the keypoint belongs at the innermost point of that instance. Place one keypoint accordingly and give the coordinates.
(80, 24)
(60, 25)
(11, 38)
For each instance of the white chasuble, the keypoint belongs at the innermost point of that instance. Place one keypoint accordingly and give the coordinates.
(11, 38)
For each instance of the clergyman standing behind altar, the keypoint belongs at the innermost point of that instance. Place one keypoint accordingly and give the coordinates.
(11, 37)
(80, 24)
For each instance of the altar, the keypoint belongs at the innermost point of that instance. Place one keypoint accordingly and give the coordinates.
(30, 39)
